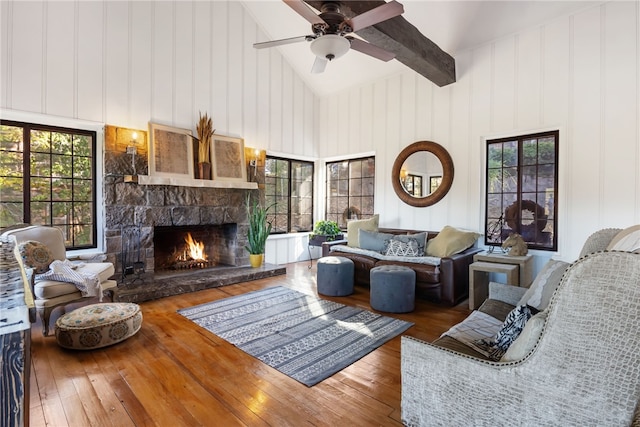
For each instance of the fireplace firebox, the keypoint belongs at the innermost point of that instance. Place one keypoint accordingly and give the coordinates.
(194, 246)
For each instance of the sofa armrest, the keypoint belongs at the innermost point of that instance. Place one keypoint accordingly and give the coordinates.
(326, 246)
(454, 276)
(506, 293)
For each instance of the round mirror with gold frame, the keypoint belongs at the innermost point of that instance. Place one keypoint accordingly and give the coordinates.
(433, 181)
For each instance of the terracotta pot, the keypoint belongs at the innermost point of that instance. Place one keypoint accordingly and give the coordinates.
(255, 260)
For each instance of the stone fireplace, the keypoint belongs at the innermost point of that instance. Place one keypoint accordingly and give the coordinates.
(157, 208)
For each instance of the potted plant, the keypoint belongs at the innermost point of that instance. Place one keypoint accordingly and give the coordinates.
(205, 132)
(259, 229)
(324, 231)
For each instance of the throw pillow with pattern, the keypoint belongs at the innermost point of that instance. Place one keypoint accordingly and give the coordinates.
(35, 255)
(400, 248)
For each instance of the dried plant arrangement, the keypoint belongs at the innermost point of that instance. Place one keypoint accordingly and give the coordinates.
(205, 131)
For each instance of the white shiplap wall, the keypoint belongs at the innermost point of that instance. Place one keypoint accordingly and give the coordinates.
(128, 63)
(125, 63)
(578, 73)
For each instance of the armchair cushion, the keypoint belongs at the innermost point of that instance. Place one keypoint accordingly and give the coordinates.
(45, 289)
(539, 293)
(35, 255)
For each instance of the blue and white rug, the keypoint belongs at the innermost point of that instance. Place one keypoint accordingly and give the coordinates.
(306, 338)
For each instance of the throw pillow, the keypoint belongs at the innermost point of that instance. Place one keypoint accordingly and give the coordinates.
(353, 226)
(451, 241)
(399, 248)
(420, 238)
(510, 330)
(627, 240)
(527, 338)
(35, 255)
(539, 293)
(374, 241)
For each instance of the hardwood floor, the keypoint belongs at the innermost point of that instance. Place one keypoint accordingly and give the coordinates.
(174, 373)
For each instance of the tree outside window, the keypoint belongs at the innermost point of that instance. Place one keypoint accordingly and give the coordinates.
(522, 189)
(47, 177)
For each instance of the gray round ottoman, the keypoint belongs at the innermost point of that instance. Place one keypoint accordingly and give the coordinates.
(393, 288)
(335, 276)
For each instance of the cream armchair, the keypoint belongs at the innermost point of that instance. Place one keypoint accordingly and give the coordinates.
(583, 369)
(50, 294)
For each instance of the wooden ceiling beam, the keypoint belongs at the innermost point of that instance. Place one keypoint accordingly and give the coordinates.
(397, 35)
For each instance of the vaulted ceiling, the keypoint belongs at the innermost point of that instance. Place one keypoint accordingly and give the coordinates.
(425, 38)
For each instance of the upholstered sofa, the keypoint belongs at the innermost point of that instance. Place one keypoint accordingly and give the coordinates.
(442, 279)
(575, 362)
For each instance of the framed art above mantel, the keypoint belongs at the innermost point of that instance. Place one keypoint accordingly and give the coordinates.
(170, 152)
(227, 157)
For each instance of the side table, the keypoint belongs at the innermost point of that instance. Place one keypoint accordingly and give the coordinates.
(518, 269)
(524, 263)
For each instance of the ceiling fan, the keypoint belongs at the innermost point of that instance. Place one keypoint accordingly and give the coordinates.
(331, 29)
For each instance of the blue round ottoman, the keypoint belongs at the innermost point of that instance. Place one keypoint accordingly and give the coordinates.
(335, 276)
(393, 288)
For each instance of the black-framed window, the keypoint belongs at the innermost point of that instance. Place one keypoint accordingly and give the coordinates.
(522, 189)
(47, 177)
(350, 189)
(289, 192)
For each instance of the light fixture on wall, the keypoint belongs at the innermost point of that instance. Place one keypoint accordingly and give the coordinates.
(253, 163)
(133, 150)
(330, 46)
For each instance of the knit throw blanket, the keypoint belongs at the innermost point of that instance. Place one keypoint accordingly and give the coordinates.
(66, 271)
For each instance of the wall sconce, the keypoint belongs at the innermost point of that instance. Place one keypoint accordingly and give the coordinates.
(133, 150)
(253, 163)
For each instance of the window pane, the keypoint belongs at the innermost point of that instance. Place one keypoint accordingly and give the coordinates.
(546, 150)
(529, 178)
(10, 138)
(10, 163)
(530, 152)
(11, 189)
(40, 188)
(355, 169)
(41, 213)
(40, 141)
(82, 190)
(61, 143)
(82, 235)
(61, 166)
(62, 213)
(510, 154)
(355, 187)
(40, 164)
(10, 213)
(82, 145)
(62, 189)
(82, 167)
(509, 180)
(82, 213)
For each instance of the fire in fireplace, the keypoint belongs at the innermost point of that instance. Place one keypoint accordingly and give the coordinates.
(194, 247)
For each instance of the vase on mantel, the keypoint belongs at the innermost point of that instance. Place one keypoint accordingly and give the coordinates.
(204, 170)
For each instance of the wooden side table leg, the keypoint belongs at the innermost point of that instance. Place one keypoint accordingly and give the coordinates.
(478, 287)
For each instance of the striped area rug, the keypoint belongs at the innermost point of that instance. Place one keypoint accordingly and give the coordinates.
(306, 338)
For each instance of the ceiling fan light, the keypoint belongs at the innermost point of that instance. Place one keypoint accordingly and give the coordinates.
(330, 46)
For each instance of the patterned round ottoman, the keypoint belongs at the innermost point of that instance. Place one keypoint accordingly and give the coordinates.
(335, 276)
(393, 288)
(98, 325)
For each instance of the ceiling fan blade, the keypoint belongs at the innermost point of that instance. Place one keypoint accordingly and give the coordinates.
(371, 50)
(319, 65)
(378, 14)
(274, 43)
(305, 11)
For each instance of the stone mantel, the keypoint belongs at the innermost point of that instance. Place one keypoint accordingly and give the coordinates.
(186, 182)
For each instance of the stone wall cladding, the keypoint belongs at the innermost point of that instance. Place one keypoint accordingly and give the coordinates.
(163, 205)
